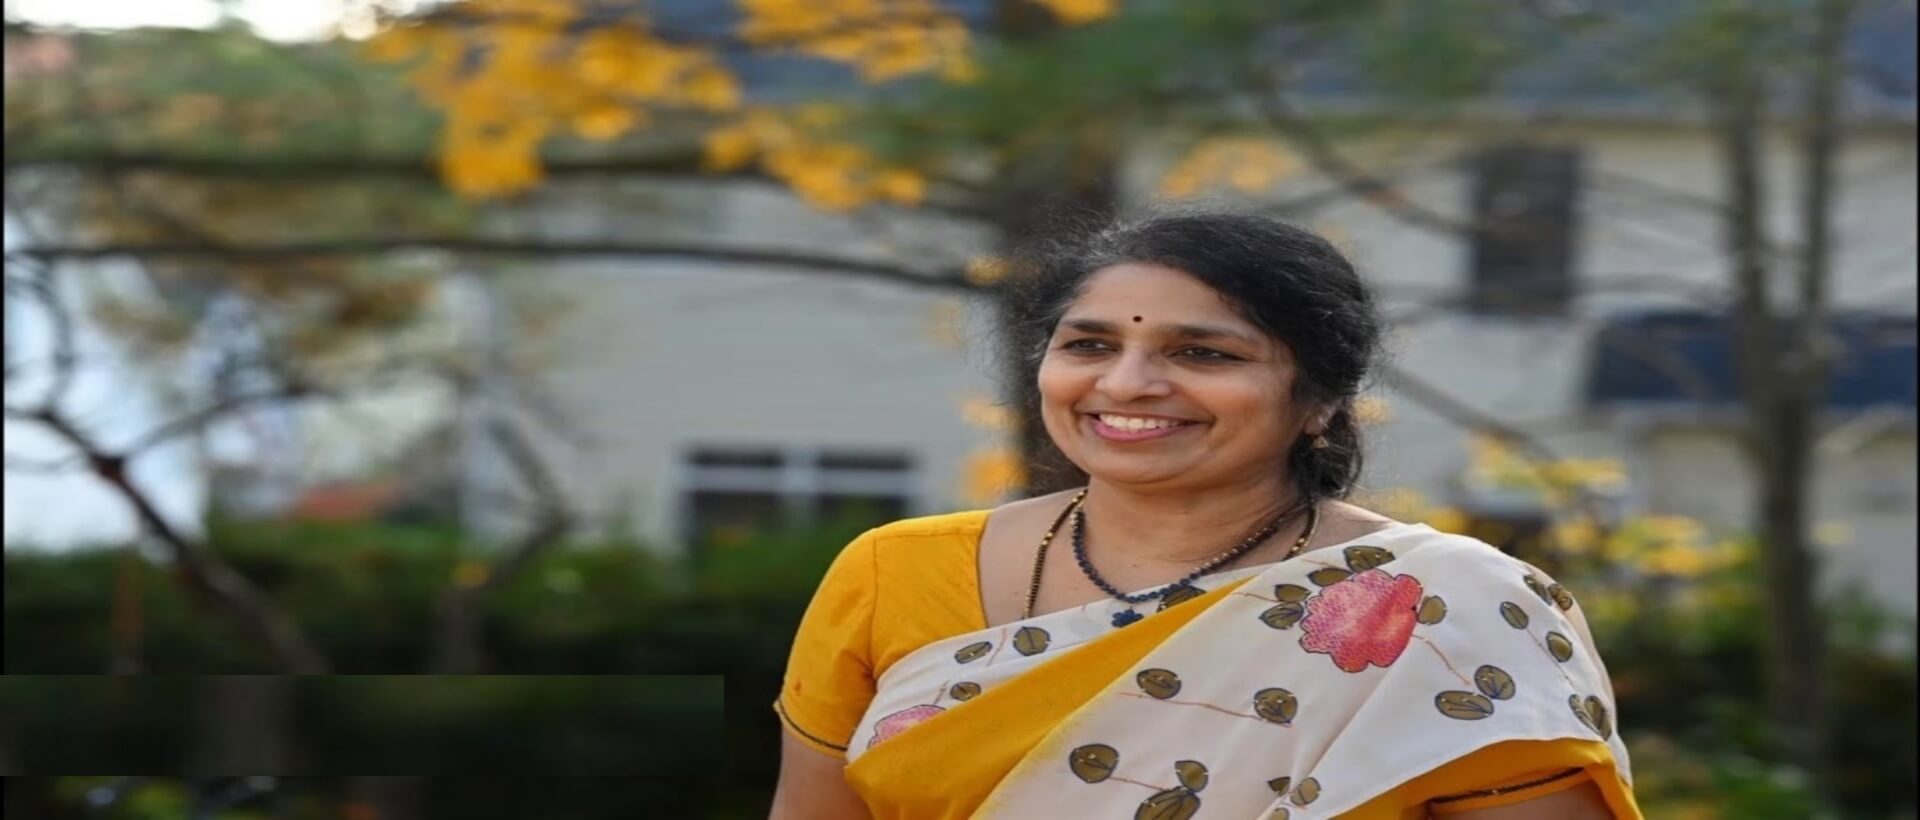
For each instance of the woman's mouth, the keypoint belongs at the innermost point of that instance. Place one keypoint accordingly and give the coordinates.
(1115, 427)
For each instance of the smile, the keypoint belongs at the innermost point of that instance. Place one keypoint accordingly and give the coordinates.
(1115, 427)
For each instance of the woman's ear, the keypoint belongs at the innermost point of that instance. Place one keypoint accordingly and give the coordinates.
(1317, 423)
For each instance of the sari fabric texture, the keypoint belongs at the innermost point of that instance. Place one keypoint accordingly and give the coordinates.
(1359, 680)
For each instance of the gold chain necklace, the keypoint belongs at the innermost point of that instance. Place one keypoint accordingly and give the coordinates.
(1040, 555)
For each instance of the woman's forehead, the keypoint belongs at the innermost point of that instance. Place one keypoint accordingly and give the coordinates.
(1157, 295)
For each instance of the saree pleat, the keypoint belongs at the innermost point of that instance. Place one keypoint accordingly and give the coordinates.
(953, 764)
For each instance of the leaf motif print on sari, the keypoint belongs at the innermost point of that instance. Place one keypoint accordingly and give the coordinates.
(1093, 762)
(1307, 792)
(1158, 683)
(972, 652)
(1559, 647)
(1291, 607)
(1463, 705)
(901, 721)
(1539, 589)
(1593, 713)
(1366, 619)
(1031, 640)
(1561, 597)
(1514, 615)
(1494, 684)
(1180, 596)
(1180, 802)
(1361, 559)
(1276, 705)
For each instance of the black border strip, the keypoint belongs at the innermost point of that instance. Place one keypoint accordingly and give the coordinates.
(1504, 789)
(781, 710)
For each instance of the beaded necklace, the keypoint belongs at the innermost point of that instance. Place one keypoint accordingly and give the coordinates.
(1127, 616)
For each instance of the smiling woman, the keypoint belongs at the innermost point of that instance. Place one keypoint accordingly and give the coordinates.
(1230, 634)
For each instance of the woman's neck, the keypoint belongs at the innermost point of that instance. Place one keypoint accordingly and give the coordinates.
(1154, 526)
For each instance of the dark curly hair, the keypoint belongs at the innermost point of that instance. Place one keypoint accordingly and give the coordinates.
(1287, 281)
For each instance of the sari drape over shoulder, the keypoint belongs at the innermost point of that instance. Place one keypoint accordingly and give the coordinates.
(1405, 672)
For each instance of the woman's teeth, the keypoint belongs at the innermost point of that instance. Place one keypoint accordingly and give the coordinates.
(1130, 423)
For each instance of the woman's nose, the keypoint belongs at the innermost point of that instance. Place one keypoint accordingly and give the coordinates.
(1132, 376)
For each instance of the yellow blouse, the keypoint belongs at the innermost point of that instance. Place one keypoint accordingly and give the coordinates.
(904, 585)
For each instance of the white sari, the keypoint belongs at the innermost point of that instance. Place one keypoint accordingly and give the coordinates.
(1318, 684)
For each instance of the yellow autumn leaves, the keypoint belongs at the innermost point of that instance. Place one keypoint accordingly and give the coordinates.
(881, 39)
(1671, 546)
(1248, 165)
(989, 473)
(1493, 463)
(518, 76)
(512, 74)
(795, 146)
(885, 39)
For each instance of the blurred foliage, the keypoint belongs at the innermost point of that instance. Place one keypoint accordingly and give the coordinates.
(513, 76)
(953, 89)
(144, 128)
(239, 95)
(366, 595)
(1684, 653)
(1685, 658)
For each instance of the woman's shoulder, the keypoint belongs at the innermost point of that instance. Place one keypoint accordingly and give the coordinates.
(964, 523)
(925, 581)
(1466, 563)
(968, 525)
(1423, 543)
(938, 546)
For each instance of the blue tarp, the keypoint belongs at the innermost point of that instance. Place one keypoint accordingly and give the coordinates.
(1686, 357)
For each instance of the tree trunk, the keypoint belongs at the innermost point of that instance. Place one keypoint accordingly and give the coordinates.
(1066, 179)
(1034, 207)
(243, 725)
(1797, 699)
(1796, 667)
(1781, 355)
(127, 621)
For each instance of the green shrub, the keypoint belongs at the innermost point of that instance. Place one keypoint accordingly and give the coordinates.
(1687, 669)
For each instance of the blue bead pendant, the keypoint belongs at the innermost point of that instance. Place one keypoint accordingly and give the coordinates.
(1124, 617)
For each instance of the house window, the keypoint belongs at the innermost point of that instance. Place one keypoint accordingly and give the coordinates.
(732, 493)
(1525, 201)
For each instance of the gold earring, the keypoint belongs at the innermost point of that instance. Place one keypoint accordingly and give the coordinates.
(1319, 442)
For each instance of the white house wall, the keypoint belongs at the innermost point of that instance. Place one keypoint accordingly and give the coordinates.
(658, 356)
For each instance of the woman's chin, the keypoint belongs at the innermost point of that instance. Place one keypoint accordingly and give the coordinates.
(1131, 470)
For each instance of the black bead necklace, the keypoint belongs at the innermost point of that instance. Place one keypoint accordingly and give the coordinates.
(1127, 616)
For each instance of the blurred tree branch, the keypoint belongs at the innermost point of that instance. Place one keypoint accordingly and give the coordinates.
(203, 569)
(484, 246)
(458, 644)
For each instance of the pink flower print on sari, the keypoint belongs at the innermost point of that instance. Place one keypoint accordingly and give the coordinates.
(901, 721)
(1365, 619)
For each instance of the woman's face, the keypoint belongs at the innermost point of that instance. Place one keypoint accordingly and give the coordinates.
(1151, 379)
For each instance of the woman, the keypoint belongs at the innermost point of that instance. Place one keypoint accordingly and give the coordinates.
(1204, 628)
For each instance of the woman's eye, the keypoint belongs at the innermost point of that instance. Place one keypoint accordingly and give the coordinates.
(1207, 353)
(1084, 344)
